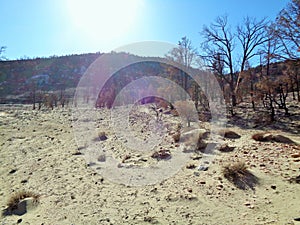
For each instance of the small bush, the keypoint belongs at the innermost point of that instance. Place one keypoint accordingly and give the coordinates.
(176, 137)
(16, 198)
(238, 174)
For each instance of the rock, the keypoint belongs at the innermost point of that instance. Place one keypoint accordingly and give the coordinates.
(101, 158)
(197, 174)
(161, 154)
(12, 171)
(102, 138)
(282, 139)
(194, 135)
(191, 166)
(263, 136)
(196, 157)
(295, 155)
(203, 168)
(297, 219)
(273, 187)
(229, 134)
(220, 187)
(226, 148)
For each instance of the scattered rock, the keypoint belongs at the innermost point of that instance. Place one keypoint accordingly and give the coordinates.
(295, 179)
(263, 136)
(229, 134)
(77, 153)
(191, 166)
(197, 174)
(282, 139)
(203, 168)
(196, 157)
(161, 154)
(101, 158)
(226, 148)
(102, 138)
(295, 155)
(12, 171)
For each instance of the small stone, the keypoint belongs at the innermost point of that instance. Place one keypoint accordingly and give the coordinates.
(12, 171)
(202, 182)
(197, 174)
(202, 168)
(296, 155)
(273, 187)
(226, 148)
(220, 187)
(191, 166)
(247, 203)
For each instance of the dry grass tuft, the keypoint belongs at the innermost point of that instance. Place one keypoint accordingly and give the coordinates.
(238, 174)
(176, 137)
(16, 198)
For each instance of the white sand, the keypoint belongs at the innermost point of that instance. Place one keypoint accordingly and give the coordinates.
(40, 146)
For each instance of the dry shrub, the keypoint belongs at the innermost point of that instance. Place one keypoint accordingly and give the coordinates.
(16, 198)
(176, 137)
(174, 112)
(187, 110)
(161, 155)
(238, 174)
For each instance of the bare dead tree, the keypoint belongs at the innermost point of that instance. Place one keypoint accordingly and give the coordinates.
(219, 45)
(288, 30)
(251, 35)
(186, 55)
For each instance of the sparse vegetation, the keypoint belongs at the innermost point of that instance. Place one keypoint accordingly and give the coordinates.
(238, 174)
(187, 110)
(16, 198)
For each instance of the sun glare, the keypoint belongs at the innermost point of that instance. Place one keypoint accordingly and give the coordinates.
(103, 19)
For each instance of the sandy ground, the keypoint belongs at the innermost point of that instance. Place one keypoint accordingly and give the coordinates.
(38, 153)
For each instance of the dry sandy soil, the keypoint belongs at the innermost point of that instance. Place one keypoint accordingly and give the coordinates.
(39, 153)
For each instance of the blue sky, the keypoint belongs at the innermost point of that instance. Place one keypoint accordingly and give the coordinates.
(41, 28)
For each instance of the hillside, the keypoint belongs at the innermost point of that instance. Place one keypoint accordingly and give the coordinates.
(54, 73)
